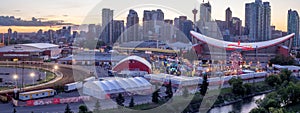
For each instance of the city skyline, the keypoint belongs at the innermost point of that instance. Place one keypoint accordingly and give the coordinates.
(75, 11)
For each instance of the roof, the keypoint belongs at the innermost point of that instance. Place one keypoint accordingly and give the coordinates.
(287, 67)
(36, 91)
(34, 47)
(118, 85)
(179, 80)
(225, 44)
(136, 58)
(41, 45)
(96, 57)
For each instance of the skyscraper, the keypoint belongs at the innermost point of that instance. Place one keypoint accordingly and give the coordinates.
(187, 26)
(205, 12)
(267, 21)
(9, 35)
(118, 28)
(132, 26)
(107, 18)
(293, 26)
(228, 18)
(258, 20)
(236, 28)
(152, 21)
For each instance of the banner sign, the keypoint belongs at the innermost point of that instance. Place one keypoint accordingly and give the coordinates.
(57, 101)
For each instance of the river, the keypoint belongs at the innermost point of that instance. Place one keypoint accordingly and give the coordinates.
(244, 106)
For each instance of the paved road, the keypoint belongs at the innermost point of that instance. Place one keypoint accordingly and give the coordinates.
(7, 108)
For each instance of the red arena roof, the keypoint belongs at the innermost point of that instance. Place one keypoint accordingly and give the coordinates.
(238, 45)
(133, 63)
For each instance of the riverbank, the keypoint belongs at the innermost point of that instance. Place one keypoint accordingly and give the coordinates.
(241, 99)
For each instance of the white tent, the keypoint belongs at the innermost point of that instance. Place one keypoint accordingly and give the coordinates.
(101, 89)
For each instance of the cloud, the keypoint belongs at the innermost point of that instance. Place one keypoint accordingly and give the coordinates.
(17, 10)
(43, 18)
(51, 16)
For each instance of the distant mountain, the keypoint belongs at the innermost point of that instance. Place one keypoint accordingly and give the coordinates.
(12, 21)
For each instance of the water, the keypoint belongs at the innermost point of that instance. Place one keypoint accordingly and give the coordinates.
(241, 107)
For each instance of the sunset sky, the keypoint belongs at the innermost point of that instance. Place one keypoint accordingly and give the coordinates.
(89, 11)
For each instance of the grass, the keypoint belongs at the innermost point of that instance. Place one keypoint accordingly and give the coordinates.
(6, 88)
(49, 76)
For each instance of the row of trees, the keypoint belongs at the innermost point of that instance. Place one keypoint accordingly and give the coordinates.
(239, 88)
(287, 93)
(169, 93)
(282, 60)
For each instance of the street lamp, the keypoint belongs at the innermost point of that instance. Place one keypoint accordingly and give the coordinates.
(32, 75)
(15, 77)
(45, 75)
(55, 67)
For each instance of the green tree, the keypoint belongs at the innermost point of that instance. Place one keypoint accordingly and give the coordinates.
(68, 109)
(83, 109)
(185, 92)
(285, 75)
(131, 104)
(155, 95)
(237, 86)
(278, 110)
(259, 110)
(273, 80)
(248, 88)
(120, 100)
(97, 107)
(271, 100)
(282, 60)
(293, 90)
(204, 86)
(169, 90)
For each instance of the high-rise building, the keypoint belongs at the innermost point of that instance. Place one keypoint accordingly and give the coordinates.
(205, 12)
(258, 20)
(152, 22)
(293, 26)
(267, 21)
(187, 26)
(132, 26)
(118, 28)
(236, 27)
(167, 30)
(107, 18)
(228, 18)
(184, 26)
(9, 35)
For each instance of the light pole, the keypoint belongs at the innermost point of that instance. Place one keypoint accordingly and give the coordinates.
(45, 75)
(32, 76)
(15, 77)
(55, 67)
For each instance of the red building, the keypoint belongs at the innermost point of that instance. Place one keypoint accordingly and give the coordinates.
(133, 63)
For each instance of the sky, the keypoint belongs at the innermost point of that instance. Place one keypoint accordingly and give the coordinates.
(89, 11)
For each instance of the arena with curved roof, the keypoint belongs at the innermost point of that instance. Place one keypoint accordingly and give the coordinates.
(251, 51)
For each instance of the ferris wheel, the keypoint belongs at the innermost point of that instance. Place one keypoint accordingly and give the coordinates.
(236, 60)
